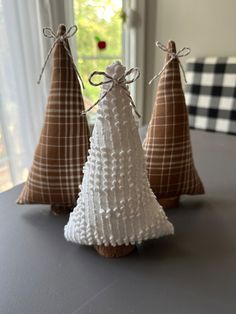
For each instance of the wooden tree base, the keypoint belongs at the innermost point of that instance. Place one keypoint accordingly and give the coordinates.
(60, 210)
(171, 202)
(114, 251)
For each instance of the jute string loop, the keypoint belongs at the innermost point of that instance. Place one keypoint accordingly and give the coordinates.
(49, 33)
(121, 81)
(179, 54)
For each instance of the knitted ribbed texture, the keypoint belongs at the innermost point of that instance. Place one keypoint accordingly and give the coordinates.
(56, 172)
(167, 145)
(116, 205)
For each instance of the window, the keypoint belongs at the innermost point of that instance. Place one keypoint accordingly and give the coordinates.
(99, 23)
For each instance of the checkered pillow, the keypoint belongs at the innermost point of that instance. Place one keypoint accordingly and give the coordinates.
(211, 94)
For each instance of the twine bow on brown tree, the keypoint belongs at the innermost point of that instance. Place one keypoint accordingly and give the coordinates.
(62, 37)
(121, 81)
(173, 55)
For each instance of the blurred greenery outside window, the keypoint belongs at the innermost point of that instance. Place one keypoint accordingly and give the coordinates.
(97, 20)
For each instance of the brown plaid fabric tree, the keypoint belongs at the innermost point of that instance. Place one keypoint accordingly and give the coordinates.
(167, 145)
(56, 172)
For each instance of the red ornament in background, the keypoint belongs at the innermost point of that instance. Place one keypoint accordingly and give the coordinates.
(101, 44)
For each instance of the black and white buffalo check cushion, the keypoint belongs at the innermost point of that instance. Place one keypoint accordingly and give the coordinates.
(211, 93)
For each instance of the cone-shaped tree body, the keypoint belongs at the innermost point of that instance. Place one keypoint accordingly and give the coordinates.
(116, 205)
(167, 145)
(56, 172)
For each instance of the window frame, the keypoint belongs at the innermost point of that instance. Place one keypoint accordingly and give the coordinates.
(134, 49)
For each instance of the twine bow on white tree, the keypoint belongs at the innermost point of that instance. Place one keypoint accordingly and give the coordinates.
(49, 33)
(173, 55)
(121, 81)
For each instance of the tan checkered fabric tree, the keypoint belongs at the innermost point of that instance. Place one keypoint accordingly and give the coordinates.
(56, 172)
(167, 145)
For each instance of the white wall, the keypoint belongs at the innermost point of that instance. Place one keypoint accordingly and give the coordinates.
(208, 27)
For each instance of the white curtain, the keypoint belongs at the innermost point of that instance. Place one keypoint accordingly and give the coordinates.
(22, 52)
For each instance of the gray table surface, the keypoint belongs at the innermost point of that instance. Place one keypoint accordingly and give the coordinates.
(193, 271)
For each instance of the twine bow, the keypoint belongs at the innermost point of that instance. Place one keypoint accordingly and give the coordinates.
(179, 54)
(49, 33)
(121, 81)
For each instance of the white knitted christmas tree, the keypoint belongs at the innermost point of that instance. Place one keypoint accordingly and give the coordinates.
(116, 205)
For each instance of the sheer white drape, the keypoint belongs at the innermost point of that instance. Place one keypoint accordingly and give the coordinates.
(22, 52)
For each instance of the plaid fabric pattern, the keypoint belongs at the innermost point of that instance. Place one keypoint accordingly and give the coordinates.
(211, 94)
(62, 150)
(167, 144)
